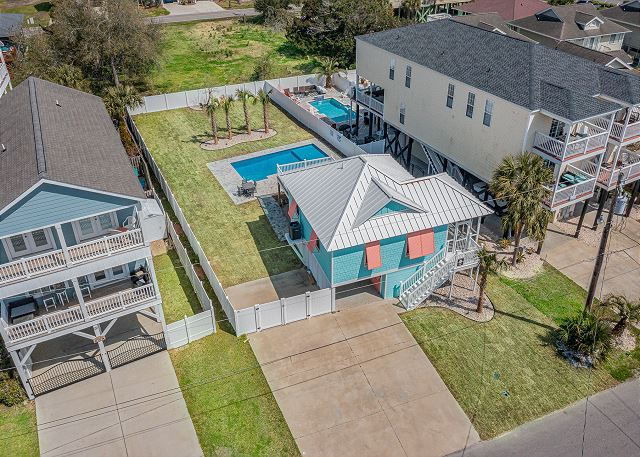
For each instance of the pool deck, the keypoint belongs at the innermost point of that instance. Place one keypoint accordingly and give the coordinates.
(229, 178)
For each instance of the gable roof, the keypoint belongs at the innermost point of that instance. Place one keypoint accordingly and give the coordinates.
(511, 69)
(603, 58)
(491, 22)
(341, 199)
(10, 24)
(54, 133)
(508, 10)
(568, 22)
(628, 13)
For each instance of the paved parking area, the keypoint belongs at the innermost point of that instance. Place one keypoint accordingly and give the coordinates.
(136, 410)
(356, 383)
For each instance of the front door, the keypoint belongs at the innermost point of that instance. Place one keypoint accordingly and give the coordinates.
(29, 243)
(93, 227)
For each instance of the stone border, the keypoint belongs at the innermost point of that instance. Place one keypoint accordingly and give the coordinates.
(229, 178)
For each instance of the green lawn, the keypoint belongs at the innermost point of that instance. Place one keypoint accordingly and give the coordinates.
(155, 11)
(503, 373)
(178, 296)
(208, 54)
(229, 400)
(37, 10)
(238, 239)
(235, 4)
(18, 435)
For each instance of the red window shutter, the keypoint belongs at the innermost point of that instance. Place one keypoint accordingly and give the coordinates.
(420, 244)
(428, 242)
(292, 208)
(313, 240)
(372, 255)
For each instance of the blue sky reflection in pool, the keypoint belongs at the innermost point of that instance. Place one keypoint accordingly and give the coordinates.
(258, 168)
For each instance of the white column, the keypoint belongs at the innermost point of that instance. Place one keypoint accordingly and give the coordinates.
(152, 274)
(63, 244)
(83, 307)
(103, 352)
(160, 313)
(22, 373)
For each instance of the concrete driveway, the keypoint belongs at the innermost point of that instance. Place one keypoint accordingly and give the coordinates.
(134, 410)
(610, 427)
(356, 383)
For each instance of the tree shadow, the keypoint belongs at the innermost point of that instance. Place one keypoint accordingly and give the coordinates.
(43, 7)
(276, 256)
(524, 319)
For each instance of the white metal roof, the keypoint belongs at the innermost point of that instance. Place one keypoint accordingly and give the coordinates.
(340, 199)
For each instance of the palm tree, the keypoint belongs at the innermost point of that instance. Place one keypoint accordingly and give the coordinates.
(118, 98)
(520, 181)
(539, 229)
(265, 100)
(69, 76)
(488, 264)
(210, 108)
(327, 67)
(625, 311)
(245, 96)
(226, 102)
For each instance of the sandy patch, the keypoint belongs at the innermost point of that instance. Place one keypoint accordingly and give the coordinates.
(528, 268)
(464, 299)
(223, 143)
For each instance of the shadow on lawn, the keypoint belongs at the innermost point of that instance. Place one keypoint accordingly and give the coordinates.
(524, 319)
(276, 256)
(194, 303)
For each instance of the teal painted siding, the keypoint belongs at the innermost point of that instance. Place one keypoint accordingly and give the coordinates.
(4, 258)
(395, 278)
(50, 204)
(348, 264)
(392, 207)
(69, 236)
(322, 255)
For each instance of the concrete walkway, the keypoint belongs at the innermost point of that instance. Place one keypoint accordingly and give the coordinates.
(356, 383)
(208, 16)
(612, 429)
(200, 7)
(135, 411)
(576, 259)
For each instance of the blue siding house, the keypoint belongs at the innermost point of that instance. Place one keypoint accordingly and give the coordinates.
(75, 232)
(365, 220)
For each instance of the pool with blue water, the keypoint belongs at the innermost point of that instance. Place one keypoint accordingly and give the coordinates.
(333, 109)
(259, 168)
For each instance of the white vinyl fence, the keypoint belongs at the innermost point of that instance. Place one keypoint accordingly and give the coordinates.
(284, 311)
(190, 328)
(195, 244)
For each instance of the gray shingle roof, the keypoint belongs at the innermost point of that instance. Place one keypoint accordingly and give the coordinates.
(569, 23)
(490, 22)
(341, 198)
(628, 13)
(60, 134)
(510, 69)
(10, 24)
(602, 58)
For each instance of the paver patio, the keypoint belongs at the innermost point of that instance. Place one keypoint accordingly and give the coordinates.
(356, 383)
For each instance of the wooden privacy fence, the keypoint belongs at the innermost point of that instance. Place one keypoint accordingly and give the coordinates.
(284, 311)
(190, 329)
(195, 244)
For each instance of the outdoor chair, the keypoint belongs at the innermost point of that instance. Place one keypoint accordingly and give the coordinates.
(247, 188)
(49, 303)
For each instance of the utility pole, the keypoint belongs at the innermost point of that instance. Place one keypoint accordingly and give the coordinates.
(603, 246)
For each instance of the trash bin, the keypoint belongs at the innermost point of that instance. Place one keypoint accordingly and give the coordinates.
(295, 230)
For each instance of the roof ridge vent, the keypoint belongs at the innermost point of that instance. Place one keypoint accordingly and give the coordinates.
(37, 129)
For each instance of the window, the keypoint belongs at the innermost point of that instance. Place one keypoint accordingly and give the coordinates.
(403, 110)
(488, 112)
(105, 221)
(407, 77)
(450, 93)
(613, 38)
(392, 69)
(471, 99)
(557, 129)
(100, 275)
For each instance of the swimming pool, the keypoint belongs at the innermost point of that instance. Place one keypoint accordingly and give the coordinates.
(258, 168)
(333, 109)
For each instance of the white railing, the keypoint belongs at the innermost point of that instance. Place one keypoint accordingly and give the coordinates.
(294, 166)
(559, 150)
(577, 191)
(120, 300)
(369, 101)
(630, 168)
(423, 270)
(632, 130)
(45, 324)
(106, 246)
(54, 260)
(549, 145)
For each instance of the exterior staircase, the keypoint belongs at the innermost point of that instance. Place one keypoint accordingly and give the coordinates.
(435, 164)
(437, 270)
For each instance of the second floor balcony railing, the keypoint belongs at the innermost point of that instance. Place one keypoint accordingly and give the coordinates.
(575, 184)
(51, 261)
(364, 97)
(628, 165)
(629, 135)
(575, 147)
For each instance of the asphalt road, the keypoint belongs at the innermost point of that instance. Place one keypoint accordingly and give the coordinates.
(226, 14)
(611, 429)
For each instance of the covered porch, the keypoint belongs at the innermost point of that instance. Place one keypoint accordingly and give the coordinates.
(573, 182)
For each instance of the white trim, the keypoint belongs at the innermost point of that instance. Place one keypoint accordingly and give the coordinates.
(9, 248)
(77, 231)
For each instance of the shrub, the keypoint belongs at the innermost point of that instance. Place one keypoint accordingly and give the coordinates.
(11, 391)
(504, 243)
(587, 336)
(263, 69)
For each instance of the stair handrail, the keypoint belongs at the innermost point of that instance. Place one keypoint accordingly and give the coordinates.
(423, 270)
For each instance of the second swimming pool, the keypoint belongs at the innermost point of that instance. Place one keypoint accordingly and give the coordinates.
(258, 168)
(333, 109)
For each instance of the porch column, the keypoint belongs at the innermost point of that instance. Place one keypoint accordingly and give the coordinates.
(160, 317)
(152, 273)
(83, 306)
(634, 195)
(478, 230)
(63, 243)
(582, 214)
(357, 118)
(603, 199)
(453, 276)
(22, 373)
(103, 352)
(333, 299)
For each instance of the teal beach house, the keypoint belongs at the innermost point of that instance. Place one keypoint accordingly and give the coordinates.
(366, 220)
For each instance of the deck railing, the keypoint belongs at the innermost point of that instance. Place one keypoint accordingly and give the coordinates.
(579, 191)
(55, 260)
(423, 270)
(630, 168)
(632, 131)
(72, 315)
(574, 148)
(294, 166)
(370, 101)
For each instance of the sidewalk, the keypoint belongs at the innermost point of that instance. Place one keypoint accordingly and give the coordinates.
(204, 16)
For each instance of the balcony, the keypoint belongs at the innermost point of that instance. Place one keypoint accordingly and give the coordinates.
(371, 98)
(628, 164)
(572, 146)
(51, 261)
(626, 136)
(574, 184)
(103, 302)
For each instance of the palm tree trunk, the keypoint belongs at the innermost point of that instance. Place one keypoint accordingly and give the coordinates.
(246, 116)
(228, 120)
(265, 115)
(483, 285)
(214, 128)
(516, 244)
(541, 242)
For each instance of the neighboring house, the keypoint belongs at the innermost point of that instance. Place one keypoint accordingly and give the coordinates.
(75, 226)
(427, 7)
(628, 15)
(580, 24)
(508, 10)
(441, 109)
(5, 78)
(366, 220)
(623, 62)
(491, 22)
(10, 26)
